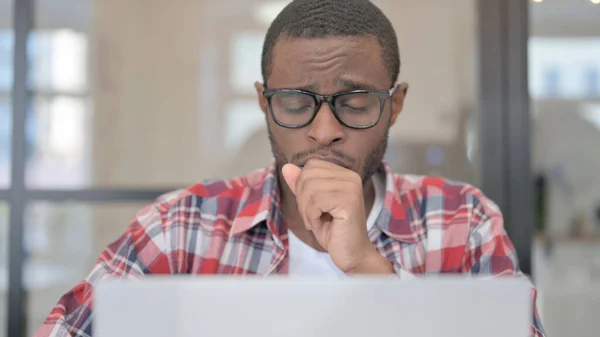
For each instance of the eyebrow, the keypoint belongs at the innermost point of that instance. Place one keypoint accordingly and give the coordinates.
(310, 88)
(347, 85)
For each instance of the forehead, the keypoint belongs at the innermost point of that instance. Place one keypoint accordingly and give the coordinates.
(328, 65)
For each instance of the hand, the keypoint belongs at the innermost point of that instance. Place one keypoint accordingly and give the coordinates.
(331, 204)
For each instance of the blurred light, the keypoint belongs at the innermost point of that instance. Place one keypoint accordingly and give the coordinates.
(66, 135)
(595, 2)
(538, 0)
(244, 119)
(591, 113)
(68, 57)
(435, 156)
(246, 50)
(266, 12)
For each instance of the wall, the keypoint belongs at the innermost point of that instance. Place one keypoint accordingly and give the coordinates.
(155, 64)
(146, 77)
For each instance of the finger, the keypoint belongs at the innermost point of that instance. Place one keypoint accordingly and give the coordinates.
(327, 202)
(317, 209)
(317, 214)
(290, 174)
(327, 172)
(312, 206)
(326, 180)
(319, 186)
(313, 163)
(310, 213)
(302, 201)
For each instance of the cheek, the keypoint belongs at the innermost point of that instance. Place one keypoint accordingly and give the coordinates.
(366, 141)
(289, 141)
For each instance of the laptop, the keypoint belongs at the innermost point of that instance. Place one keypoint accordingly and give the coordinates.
(188, 306)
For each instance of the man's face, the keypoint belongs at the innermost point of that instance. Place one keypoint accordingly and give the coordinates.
(328, 66)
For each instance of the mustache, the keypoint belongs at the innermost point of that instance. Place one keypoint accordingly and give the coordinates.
(323, 152)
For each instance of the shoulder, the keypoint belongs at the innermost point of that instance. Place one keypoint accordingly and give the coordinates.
(441, 196)
(206, 204)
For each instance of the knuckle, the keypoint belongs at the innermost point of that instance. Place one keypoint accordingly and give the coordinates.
(310, 163)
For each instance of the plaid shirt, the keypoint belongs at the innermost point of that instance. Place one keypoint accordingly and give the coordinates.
(427, 226)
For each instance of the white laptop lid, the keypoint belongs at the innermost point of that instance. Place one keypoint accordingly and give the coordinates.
(273, 307)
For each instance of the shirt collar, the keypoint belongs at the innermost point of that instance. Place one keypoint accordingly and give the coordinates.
(260, 203)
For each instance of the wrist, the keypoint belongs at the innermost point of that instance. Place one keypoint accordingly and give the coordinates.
(372, 263)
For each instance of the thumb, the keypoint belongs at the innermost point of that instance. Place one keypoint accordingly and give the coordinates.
(291, 173)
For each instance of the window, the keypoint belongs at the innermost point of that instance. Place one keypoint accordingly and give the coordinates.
(6, 78)
(552, 81)
(564, 68)
(6, 60)
(592, 81)
(57, 130)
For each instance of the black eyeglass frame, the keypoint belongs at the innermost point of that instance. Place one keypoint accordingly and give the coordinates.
(383, 96)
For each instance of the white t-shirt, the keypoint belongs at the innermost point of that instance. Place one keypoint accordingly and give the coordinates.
(307, 261)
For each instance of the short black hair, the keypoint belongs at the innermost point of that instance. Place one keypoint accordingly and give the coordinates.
(327, 18)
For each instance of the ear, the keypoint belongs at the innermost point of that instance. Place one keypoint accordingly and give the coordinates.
(262, 101)
(397, 100)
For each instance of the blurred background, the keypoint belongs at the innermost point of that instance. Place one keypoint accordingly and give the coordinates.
(111, 102)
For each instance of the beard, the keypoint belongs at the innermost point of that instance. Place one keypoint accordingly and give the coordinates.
(371, 163)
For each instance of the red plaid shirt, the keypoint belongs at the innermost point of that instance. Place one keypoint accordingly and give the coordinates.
(427, 225)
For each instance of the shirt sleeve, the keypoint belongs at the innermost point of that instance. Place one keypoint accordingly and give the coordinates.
(489, 251)
(133, 255)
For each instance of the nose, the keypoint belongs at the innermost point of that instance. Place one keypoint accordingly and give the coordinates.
(325, 129)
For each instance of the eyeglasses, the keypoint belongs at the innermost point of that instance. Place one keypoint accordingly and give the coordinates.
(358, 109)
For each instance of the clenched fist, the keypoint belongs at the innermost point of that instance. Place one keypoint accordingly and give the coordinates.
(331, 204)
